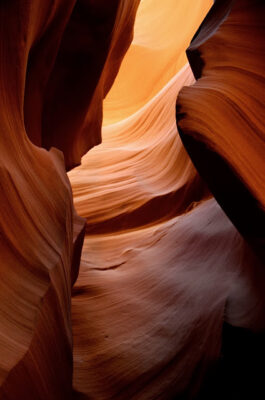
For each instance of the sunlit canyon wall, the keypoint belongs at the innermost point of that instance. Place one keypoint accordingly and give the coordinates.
(168, 213)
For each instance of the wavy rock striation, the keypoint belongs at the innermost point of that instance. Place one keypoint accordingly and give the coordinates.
(41, 235)
(162, 266)
(221, 118)
(140, 174)
(149, 305)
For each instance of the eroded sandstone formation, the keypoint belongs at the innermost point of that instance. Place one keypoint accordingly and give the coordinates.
(162, 268)
(72, 63)
(162, 265)
(153, 59)
(45, 50)
(141, 173)
(221, 118)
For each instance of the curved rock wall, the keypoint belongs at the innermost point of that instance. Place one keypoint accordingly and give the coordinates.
(157, 53)
(162, 266)
(221, 118)
(141, 173)
(41, 235)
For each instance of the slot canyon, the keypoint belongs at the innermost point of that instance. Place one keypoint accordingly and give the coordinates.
(132, 194)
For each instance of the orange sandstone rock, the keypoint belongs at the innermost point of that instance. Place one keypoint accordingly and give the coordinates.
(52, 57)
(221, 117)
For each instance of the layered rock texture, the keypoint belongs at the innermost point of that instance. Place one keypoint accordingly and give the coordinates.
(58, 59)
(221, 118)
(167, 219)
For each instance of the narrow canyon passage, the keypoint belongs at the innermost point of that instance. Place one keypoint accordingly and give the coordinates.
(132, 199)
(149, 303)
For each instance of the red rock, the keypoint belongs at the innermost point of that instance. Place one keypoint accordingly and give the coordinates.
(52, 57)
(221, 118)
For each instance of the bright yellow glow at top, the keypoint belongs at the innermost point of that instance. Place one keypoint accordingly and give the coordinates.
(161, 36)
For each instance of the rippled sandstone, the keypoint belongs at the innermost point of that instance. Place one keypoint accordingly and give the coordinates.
(45, 49)
(221, 117)
(163, 267)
